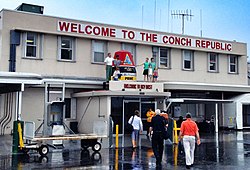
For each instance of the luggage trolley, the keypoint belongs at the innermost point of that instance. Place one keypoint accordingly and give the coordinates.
(40, 143)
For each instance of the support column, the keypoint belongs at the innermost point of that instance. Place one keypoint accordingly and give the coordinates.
(20, 95)
(15, 138)
(216, 118)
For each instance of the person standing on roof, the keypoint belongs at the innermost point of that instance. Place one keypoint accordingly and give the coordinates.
(116, 63)
(152, 64)
(116, 74)
(150, 73)
(155, 75)
(108, 62)
(145, 69)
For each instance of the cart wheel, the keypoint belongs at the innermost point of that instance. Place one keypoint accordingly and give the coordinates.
(43, 150)
(43, 159)
(97, 146)
(96, 156)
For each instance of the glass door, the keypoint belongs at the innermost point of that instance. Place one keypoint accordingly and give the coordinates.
(129, 107)
(145, 107)
(246, 115)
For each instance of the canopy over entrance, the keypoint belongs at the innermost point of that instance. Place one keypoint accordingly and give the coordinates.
(13, 81)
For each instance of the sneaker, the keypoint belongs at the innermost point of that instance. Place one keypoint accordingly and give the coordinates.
(188, 166)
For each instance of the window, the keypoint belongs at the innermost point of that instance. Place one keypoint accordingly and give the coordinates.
(233, 63)
(66, 48)
(131, 48)
(32, 45)
(188, 60)
(164, 55)
(99, 50)
(213, 62)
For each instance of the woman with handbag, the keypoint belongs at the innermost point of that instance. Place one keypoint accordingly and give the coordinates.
(136, 122)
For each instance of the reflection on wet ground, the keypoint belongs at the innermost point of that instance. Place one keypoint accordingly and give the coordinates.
(226, 150)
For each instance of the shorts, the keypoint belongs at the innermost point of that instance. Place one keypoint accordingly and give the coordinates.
(155, 77)
(135, 135)
(145, 72)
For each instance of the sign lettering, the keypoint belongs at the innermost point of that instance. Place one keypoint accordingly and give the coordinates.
(138, 86)
(175, 40)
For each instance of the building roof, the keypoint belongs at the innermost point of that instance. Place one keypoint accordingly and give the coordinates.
(17, 77)
(14, 81)
(206, 87)
(122, 93)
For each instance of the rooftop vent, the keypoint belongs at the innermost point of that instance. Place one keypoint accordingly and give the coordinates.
(30, 8)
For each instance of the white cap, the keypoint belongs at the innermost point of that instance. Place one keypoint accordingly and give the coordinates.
(157, 111)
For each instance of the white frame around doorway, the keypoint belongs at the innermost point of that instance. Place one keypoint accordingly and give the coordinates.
(123, 116)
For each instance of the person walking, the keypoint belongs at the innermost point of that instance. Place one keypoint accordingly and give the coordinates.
(158, 125)
(188, 131)
(169, 125)
(108, 62)
(150, 114)
(136, 122)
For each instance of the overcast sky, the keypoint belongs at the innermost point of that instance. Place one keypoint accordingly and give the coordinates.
(220, 19)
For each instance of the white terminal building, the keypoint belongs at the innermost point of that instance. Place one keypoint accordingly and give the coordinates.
(206, 77)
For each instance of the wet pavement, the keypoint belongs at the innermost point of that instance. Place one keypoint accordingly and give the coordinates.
(227, 150)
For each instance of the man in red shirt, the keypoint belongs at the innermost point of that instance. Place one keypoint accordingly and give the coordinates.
(189, 130)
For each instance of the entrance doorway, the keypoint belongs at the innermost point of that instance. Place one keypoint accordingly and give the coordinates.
(246, 115)
(123, 108)
(129, 107)
(145, 107)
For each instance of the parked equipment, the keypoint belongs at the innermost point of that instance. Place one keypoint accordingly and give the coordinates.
(41, 144)
(53, 133)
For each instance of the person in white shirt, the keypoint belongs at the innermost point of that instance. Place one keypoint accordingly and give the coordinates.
(150, 73)
(136, 122)
(116, 74)
(108, 62)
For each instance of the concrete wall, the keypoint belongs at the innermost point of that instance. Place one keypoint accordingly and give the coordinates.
(235, 110)
(89, 110)
(200, 73)
(231, 112)
(32, 107)
(240, 100)
(49, 65)
(7, 112)
(92, 113)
